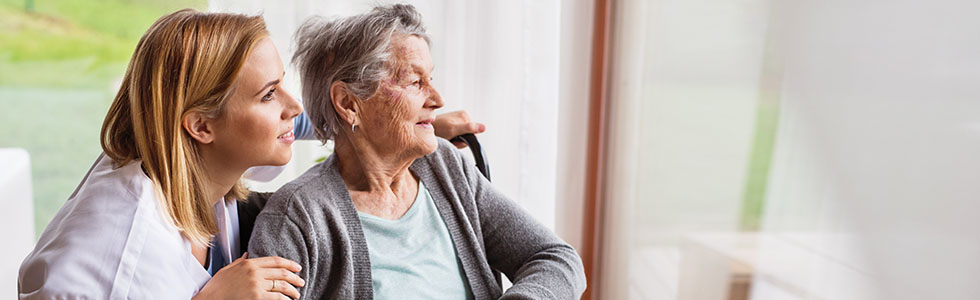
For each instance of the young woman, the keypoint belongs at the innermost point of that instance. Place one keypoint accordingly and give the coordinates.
(200, 103)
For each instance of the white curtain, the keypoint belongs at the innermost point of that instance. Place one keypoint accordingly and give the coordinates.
(870, 177)
(499, 60)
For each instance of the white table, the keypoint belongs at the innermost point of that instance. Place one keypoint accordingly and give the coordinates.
(17, 215)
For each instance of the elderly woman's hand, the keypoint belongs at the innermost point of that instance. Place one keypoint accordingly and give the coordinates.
(453, 124)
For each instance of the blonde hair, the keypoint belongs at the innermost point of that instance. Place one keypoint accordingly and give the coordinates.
(186, 62)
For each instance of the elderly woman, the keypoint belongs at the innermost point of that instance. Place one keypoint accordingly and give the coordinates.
(396, 212)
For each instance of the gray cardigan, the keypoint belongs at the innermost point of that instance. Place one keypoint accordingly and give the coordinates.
(312, 220)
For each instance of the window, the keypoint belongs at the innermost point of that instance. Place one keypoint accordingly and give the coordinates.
(792, 150)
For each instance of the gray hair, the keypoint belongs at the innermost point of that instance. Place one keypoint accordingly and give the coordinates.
(353, 50)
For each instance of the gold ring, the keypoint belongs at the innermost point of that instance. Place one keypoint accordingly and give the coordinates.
(273, 284)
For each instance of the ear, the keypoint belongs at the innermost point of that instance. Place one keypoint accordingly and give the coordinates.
(199, 127)
(343, 102)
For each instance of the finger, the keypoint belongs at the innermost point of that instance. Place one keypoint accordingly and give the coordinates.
(271, 295)
(288, 290)
(477, 127)
(460, 115)
(281, 288)
(469, 127)
(237, 261)
(276, 262)
(244, 256)
(284, 276)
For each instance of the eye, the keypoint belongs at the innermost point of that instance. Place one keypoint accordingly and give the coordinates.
(269, 96)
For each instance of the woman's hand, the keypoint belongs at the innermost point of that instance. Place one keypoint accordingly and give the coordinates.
(452, 124)
(257, 278)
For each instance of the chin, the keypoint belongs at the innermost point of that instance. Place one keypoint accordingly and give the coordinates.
(430, 145)
(282, 159)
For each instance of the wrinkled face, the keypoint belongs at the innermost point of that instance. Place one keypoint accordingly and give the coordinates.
(398, 118)
(256, 125)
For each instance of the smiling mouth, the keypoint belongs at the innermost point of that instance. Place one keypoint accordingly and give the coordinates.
(286, 137)
(425, 123)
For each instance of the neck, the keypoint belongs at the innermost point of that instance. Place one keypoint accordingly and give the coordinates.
(219, 177)
(366, 168)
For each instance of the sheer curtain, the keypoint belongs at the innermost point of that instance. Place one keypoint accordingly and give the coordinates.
(499, 60)
(794, 150)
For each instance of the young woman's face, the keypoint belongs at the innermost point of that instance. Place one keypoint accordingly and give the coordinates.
(256, 125)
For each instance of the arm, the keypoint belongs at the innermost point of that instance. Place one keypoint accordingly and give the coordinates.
(275, 234)
(537, 261)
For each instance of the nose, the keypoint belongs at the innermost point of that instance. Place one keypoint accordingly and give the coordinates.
(292, 108)
(434, 101)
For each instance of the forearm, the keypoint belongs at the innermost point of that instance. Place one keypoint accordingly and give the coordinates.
(535, 259)
(553, 273)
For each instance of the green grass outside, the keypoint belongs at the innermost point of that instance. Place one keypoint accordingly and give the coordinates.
(58, 70)
(60, 130)
(74, 43)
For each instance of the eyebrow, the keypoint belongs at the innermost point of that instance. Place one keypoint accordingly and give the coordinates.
(420, 68)
(417, 69)
(268, 84)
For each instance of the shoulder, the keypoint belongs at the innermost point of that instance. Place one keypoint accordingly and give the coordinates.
(109, 185)
(97, 239)
(449, 163)
(110, 200)
(446, 157)
(314, 190)
(306, 212)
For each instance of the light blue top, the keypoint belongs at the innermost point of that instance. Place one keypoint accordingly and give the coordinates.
(414, 257)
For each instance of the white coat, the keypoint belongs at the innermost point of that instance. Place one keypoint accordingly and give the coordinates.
(111, 240)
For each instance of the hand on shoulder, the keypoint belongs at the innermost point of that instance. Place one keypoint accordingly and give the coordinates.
(254, 278)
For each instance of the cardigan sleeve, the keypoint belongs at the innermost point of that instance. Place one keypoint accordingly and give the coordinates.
(535, 259)
(276, 234)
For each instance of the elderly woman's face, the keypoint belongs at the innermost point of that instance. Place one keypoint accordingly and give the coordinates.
(399, 116)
